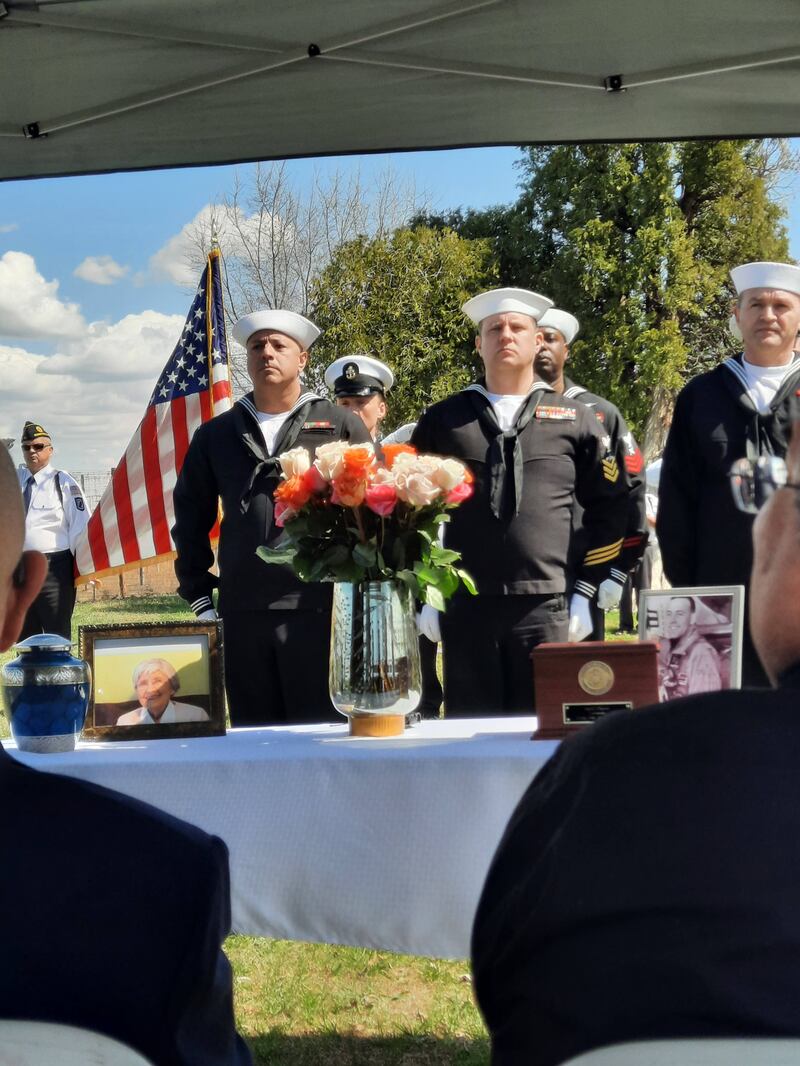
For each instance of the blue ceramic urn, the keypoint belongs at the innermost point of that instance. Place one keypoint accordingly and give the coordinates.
(46, 692)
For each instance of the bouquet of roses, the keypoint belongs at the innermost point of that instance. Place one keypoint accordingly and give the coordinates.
(347, 517)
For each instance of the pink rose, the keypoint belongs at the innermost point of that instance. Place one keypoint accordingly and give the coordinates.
(283, 513)
(314, 480)
(459, 493)
(381, 499)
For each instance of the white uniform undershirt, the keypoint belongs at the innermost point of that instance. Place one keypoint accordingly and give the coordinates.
(763, 382)
(506, 407)
(271, 426)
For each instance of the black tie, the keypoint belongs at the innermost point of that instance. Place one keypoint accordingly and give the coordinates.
(505, 494)
(26, 496)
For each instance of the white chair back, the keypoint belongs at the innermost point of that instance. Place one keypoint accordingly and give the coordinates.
(24, 1043)
(701, 1052)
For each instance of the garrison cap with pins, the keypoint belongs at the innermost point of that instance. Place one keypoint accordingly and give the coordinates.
(566, 324)
(784, 276)
(288, 322)
(358, 375)
(500, 301)
(32, 430)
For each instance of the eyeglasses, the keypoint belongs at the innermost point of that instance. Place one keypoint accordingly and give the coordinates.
(35, 447)
(752, 483)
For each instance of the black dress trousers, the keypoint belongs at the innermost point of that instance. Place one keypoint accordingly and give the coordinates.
(276, 666)
(487, 644)
(51, 611)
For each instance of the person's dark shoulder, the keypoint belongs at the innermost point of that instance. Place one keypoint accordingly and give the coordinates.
(109, 823)
(215, 429)
(709, 383)
(452, 411)
(710, 727)
(610, 412)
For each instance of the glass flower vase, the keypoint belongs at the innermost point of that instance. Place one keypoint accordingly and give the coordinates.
(374, 675)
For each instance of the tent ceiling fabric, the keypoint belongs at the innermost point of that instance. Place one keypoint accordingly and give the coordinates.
(98, 85)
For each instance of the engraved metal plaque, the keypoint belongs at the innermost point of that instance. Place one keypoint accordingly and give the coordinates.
(584, 713)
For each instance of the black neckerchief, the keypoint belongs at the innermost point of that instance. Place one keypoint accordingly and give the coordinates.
(758, 441)
(505, 494)
(249, 432)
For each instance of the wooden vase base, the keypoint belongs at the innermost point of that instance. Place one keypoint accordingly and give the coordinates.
(377, 725)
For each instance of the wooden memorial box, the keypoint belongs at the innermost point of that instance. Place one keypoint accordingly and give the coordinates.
(576, 684)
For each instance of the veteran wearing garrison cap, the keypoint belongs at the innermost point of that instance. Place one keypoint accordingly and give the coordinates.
(277, 628)
(559, 330)
(56, 514)
(533, 453)
(743, 408)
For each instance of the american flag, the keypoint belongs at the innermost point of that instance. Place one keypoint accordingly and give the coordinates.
(130, 526)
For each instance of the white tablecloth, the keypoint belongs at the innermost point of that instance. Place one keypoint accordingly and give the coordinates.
(375, 843)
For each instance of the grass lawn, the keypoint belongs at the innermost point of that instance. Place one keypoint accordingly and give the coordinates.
(303, 1004)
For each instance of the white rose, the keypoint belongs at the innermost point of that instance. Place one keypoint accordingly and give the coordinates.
(404, 463)
(328, 458)
(384, 476)
(294, 462)
(419, 490)
(449, 474)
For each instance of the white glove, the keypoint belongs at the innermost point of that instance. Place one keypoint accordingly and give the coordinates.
(580, 619)
(208, 616)
(610, 592)
(428, 623)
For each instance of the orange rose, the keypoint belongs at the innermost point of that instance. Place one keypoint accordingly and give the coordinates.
(391, 451)
(356, 462)
(294, 492)
(349, 491)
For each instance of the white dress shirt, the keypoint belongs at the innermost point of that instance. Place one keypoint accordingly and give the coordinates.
(53, 524)
(173, 712)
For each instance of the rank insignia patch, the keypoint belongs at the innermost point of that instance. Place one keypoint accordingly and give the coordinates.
(556, 414)
(610, 470)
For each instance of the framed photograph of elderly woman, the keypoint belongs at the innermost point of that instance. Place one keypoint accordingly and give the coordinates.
(699, 631)
(154, 680)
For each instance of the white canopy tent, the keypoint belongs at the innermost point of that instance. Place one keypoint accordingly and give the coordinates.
(98, 85)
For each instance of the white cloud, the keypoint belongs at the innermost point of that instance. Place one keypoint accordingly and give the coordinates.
(135, 348)
(100, 270)
(9, 227)
(180, 259)
(29, 305)
(177, 260)
(92, 394)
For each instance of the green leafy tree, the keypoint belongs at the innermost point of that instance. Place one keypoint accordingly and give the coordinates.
(637, 241)
(398, 299)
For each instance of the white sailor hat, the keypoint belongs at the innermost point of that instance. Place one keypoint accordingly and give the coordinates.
(358, 375)
(566, 324)
(783, 276)
(288, 322)
(498, 301)
(733, 327)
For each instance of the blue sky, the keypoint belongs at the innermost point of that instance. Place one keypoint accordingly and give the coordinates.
(62, 336)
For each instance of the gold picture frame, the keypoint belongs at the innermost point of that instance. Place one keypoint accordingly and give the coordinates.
(154, 680)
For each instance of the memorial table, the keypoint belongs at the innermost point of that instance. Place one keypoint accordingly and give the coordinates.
(377, 843)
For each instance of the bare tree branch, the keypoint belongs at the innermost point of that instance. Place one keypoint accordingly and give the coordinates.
(276, 238)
